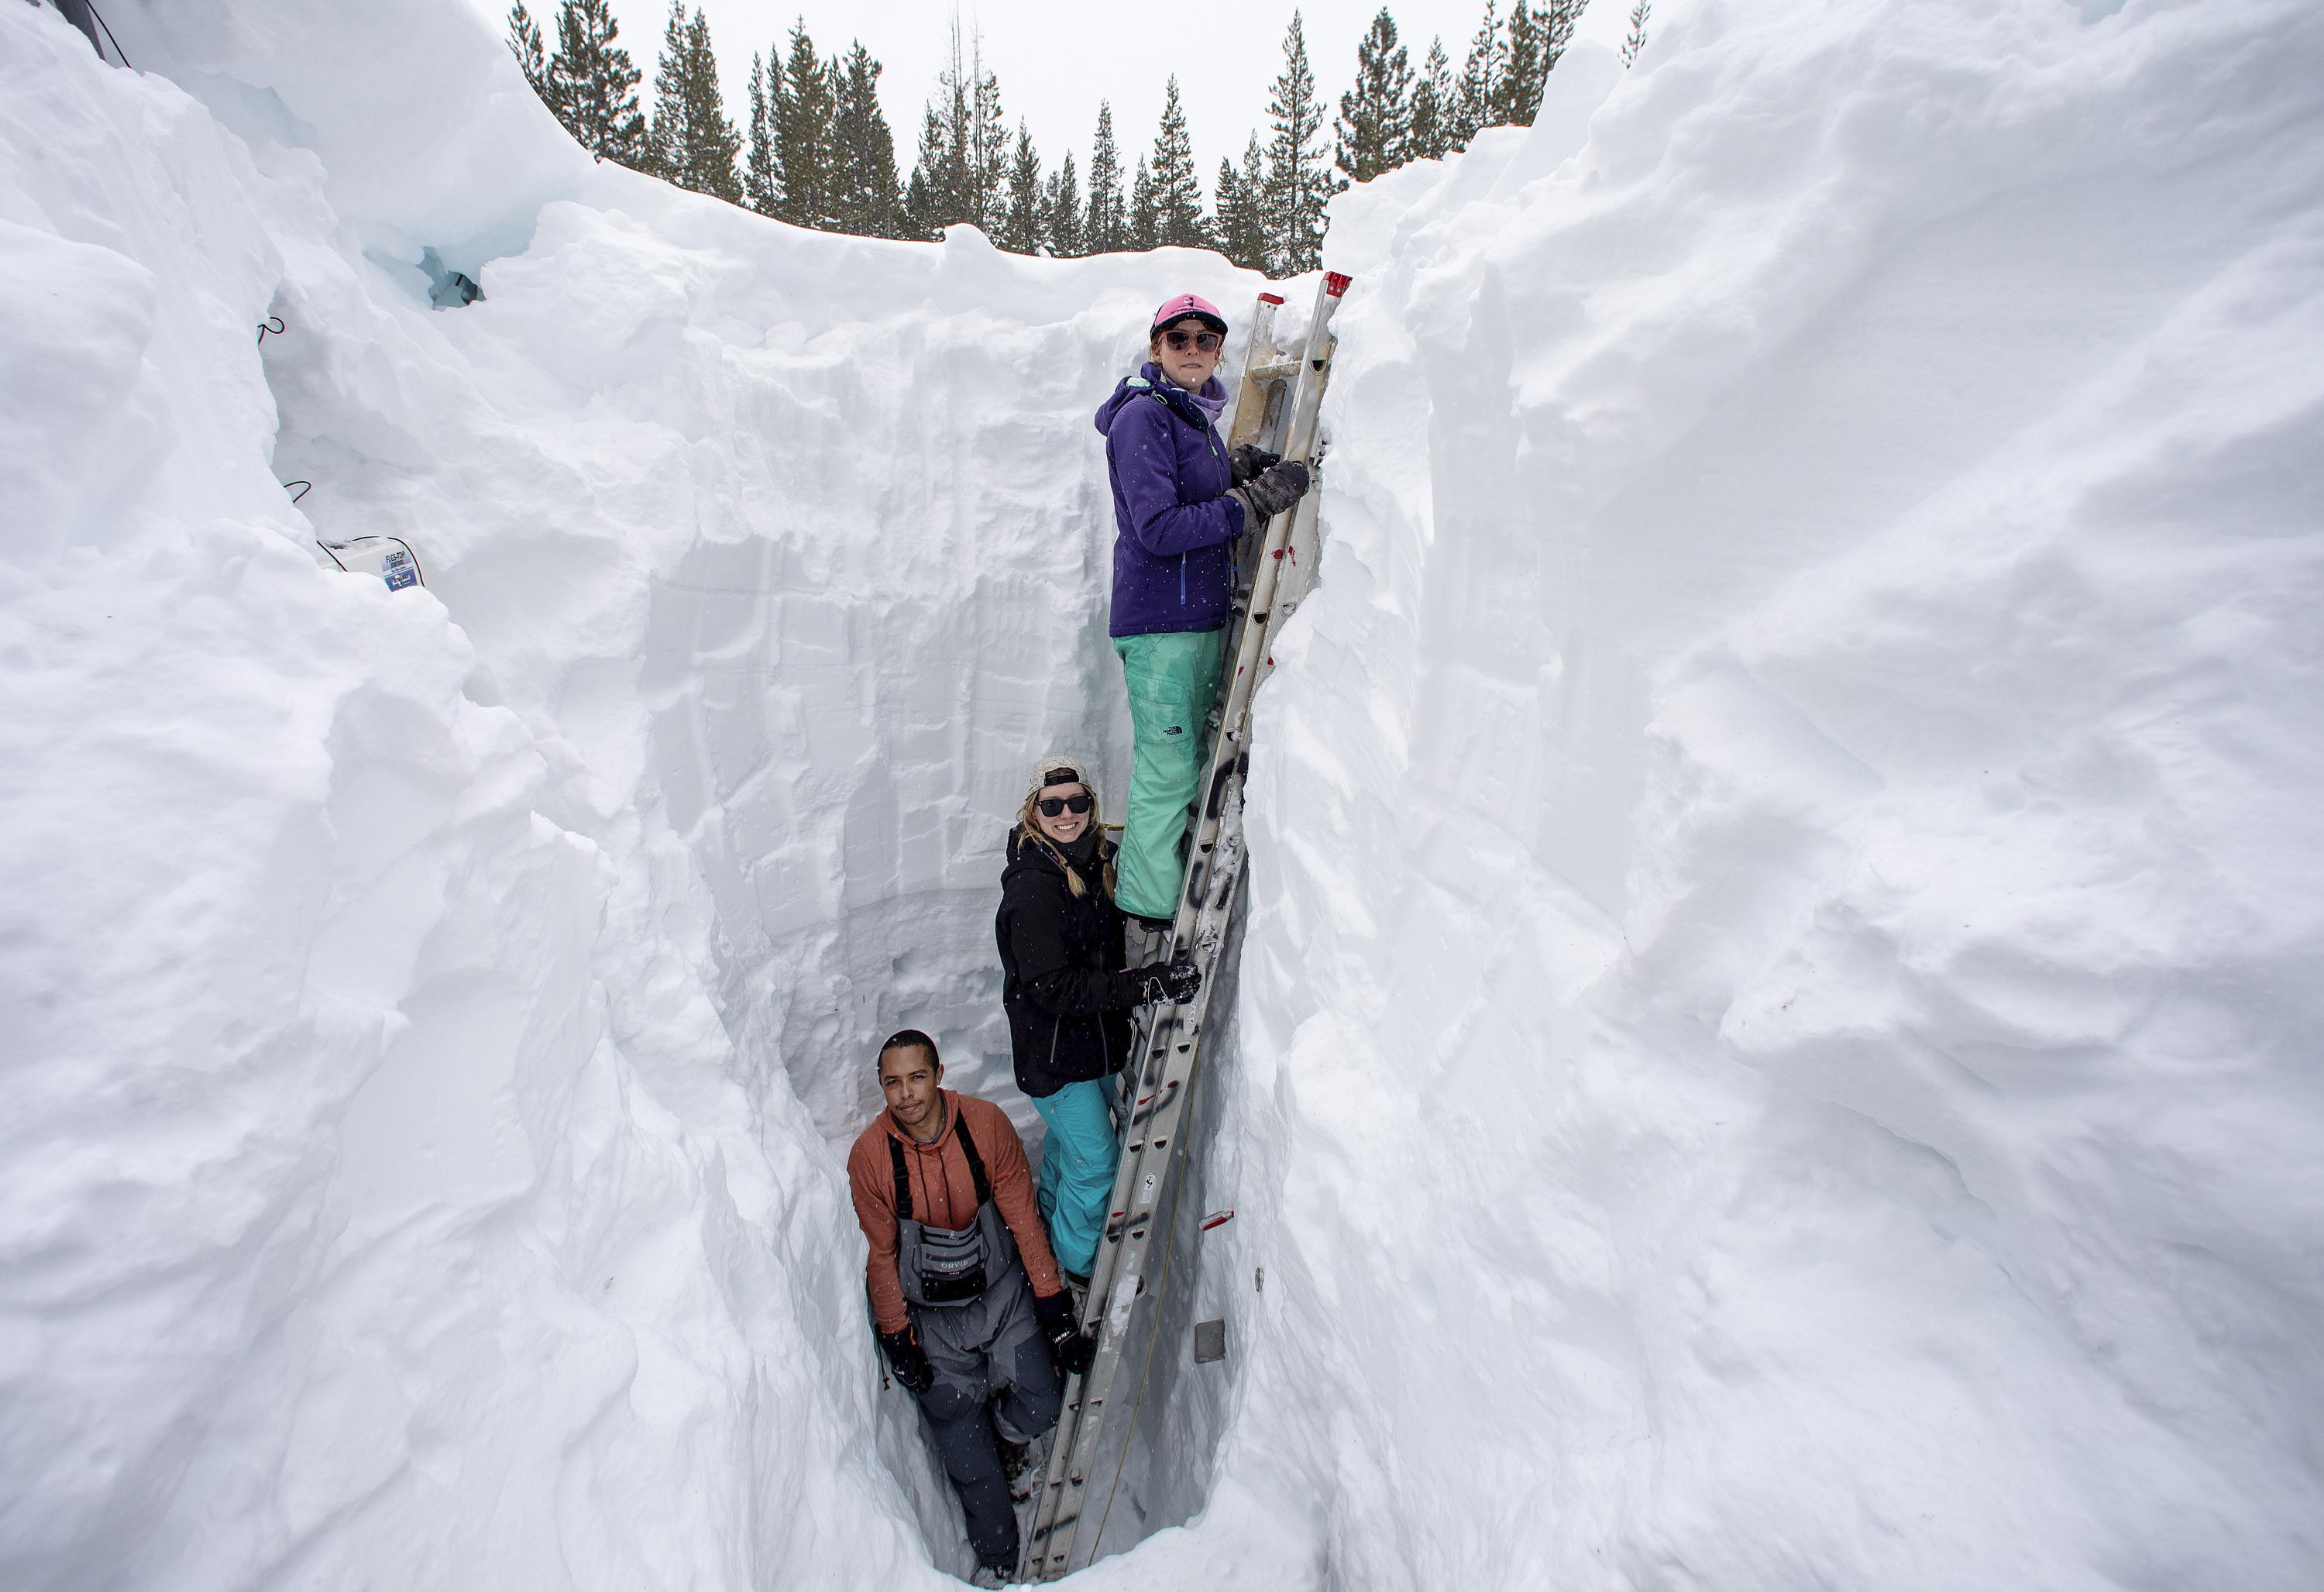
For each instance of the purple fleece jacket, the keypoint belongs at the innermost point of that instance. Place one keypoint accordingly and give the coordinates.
(1173, 524)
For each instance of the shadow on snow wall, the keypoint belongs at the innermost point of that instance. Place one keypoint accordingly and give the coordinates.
(836, 767)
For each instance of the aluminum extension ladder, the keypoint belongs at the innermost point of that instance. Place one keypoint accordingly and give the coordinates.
(1275, 407)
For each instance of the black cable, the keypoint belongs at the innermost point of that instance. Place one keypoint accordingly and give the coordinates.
(108, 36)
(304, 488)
(272, 323)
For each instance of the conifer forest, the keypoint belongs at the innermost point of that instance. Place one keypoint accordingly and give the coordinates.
(813, 146)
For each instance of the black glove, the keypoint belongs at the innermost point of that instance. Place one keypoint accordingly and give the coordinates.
(1275, 489)
(1250, 460)
(909, 1363)
(1174, 984)
(1073, 1348)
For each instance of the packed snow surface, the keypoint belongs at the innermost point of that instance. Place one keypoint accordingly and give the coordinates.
(1776, 1041)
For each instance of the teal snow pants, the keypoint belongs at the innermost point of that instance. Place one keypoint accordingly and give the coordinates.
(1077, 1162)
(1172, 679)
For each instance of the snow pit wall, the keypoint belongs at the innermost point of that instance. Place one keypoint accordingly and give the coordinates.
(1782, 880)
(760, 563)
(1782, 845)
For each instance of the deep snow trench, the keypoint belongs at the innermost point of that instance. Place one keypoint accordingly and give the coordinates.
(1775, 1043)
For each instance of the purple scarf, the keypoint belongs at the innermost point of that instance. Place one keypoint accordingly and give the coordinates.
(1210, 398)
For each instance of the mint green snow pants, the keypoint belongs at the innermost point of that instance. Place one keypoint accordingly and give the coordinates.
(1172, 679)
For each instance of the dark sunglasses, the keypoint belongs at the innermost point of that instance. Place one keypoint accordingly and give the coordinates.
(1052, 806)
(1205, 341)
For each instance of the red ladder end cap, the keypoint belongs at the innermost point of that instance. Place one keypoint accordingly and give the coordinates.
(1336, 283)
(1270, 299)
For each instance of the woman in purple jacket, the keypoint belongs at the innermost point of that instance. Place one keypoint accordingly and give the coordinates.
(1179, 504)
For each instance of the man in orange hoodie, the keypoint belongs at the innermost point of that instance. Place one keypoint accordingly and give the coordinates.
(971, 1313)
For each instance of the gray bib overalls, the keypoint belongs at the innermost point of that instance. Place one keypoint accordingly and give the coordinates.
(972, 1309)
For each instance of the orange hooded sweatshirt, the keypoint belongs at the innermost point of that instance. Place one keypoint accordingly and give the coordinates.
(944, 1195)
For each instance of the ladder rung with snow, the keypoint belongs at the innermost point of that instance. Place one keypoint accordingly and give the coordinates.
(1276, 406)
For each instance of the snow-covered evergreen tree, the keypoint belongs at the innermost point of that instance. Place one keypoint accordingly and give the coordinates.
(1635, 44)
(759, 186)
(1430, 137)
(1061, 211)
(1107, 228)
(1299, 178)
(592, 84)
(861, 185)
(1375, 115)
(691, 142)
(1178, 190)
(1242, 220)
(1020, 222)
(803, 116)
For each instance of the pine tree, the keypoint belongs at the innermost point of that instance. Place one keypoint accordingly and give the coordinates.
(1230, 205)
(1431, 134)
(1518, 95)
(692, 143)
(1558, 18)
(1298, 180)
(963, 161)
(668, 92)
(931, 195)
(1108, 226)
(938, 195)
(1020, 229)
(1142, 219)
(759, 186)
(1376, 115)
(988, 163)
(1177, 191)
(593, 84)
(803, 117)
(524, 43)
(863, 190)
(1061, 211)
(1242, 215)
(1636, 44)
(1476, 101)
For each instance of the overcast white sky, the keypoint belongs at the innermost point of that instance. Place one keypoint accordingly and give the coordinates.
(1056, 60)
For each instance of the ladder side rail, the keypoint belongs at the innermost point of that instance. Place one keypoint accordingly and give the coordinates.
(1127, 1241)
(1256, 632)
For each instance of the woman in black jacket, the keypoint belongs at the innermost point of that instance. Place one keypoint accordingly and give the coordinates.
(1069, 998)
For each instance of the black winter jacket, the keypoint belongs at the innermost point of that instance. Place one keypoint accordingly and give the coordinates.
(1062, 981)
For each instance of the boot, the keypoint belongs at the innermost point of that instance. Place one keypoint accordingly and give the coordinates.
(1020, 1463)
(1145, 941)
(1013, 1457)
